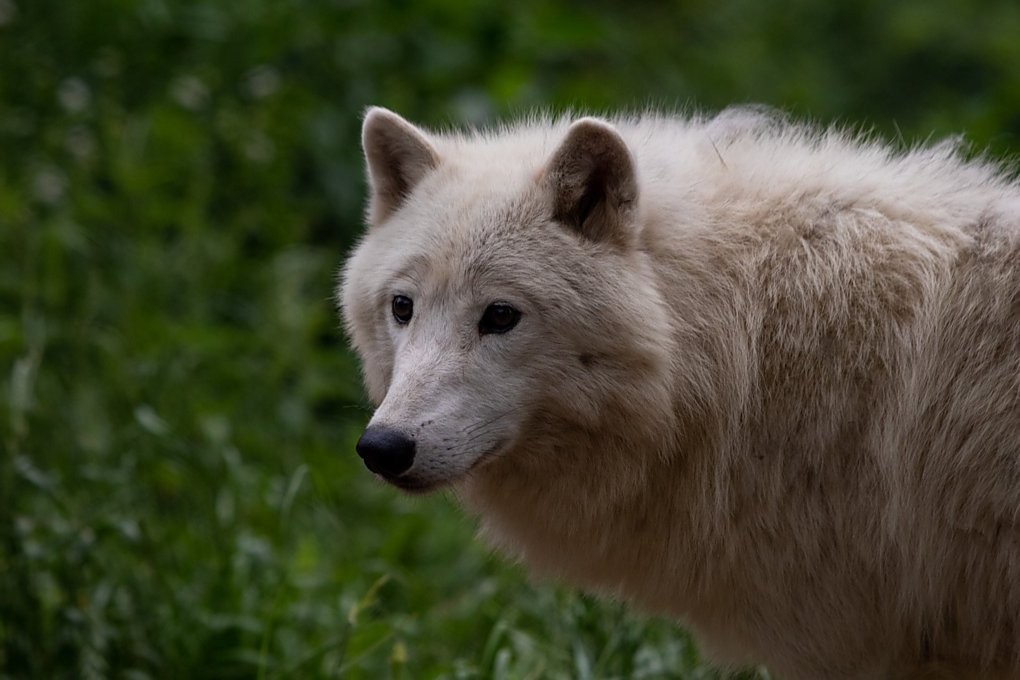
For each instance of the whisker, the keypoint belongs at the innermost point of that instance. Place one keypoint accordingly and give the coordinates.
(468, 431)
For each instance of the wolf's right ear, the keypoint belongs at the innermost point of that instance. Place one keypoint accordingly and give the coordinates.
(398, 156)
(592, 180)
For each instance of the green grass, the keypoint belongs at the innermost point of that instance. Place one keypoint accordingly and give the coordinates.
(179, 181)
(179, 493)
(182, 498)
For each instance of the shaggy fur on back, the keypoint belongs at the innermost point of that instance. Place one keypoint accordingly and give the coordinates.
(766, 377)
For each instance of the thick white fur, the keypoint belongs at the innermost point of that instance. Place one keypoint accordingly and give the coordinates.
(780, 401)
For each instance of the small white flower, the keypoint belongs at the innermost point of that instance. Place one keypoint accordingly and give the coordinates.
(263, 81)
(81, 143)
(74, 95)
(189, 92)
(8, 12)
(49, 185)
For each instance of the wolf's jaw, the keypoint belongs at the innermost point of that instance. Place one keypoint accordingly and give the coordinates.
(419, 487)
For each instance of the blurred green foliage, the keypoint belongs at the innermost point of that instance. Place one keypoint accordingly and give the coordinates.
(179, 181)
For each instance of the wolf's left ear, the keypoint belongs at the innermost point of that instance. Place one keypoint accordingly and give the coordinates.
(593, 184)
(398, 156)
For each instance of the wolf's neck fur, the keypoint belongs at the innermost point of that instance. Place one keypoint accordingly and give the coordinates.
(575, 530)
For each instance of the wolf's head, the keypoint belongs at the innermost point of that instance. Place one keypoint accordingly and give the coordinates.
(501, 297)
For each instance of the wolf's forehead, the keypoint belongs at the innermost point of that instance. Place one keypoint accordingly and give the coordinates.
(472, 213)
(482, 243)
(471, 222)
(476, 246)
(483, 183)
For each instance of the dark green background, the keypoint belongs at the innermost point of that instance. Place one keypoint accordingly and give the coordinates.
(179, 182)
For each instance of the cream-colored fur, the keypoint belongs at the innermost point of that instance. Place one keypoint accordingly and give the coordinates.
(766, 378)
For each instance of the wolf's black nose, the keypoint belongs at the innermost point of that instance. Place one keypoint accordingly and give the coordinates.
(385, 451)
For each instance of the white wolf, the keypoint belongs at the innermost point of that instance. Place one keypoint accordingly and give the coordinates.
(759, 377)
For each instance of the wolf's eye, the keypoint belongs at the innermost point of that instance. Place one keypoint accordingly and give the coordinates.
(499, 317)
(403, 308)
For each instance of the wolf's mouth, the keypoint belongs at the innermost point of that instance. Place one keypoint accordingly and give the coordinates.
(412, 484)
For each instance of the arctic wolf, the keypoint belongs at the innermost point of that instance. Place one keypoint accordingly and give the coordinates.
(757, 376)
